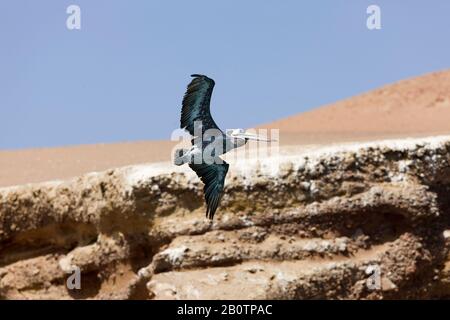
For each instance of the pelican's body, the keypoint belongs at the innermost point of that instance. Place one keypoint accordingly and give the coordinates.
(224, 143)
(209, 142)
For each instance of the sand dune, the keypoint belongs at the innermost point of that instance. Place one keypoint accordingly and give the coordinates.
(418, 106)
(415, 107)
(35, 165)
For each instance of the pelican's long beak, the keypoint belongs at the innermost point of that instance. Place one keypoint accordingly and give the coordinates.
(255, 137)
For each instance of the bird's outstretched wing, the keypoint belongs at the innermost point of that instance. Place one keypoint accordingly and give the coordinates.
(195, 106)
(213, 176)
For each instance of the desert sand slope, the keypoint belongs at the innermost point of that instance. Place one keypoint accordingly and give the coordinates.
(357, 221)
(414, 106)
(37, 165)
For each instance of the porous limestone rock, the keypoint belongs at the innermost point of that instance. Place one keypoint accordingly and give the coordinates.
(366, 221)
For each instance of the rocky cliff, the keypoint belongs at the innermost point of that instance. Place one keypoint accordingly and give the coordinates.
(351, 221)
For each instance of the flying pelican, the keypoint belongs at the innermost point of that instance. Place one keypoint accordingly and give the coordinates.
(209, 142)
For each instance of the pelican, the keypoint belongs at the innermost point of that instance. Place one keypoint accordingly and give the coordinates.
(208, 141)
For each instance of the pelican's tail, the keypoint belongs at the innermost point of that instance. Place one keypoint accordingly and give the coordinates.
(180, 157)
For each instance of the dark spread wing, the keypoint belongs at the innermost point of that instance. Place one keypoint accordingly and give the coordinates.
(213, 176)
(196, 102)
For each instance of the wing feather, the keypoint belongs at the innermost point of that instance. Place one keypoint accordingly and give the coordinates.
(196, 104)
(213, 176)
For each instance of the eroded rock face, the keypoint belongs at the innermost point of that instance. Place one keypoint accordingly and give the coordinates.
(361, 221)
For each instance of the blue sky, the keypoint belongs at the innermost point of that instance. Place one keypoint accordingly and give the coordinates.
(122, 76)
